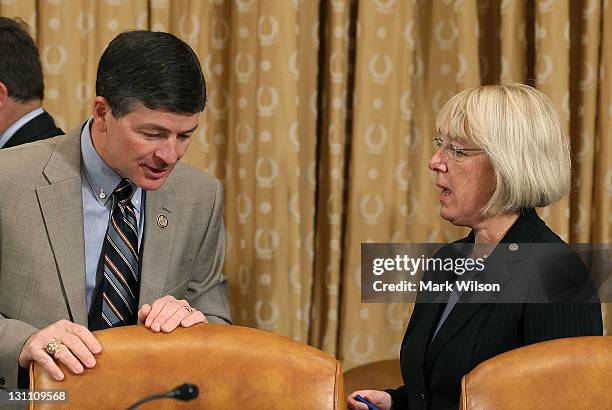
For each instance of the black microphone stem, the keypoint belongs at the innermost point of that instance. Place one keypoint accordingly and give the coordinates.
(184, 392)
(166, 395)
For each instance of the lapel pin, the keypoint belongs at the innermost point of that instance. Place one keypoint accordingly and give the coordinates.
(513, 247)
(162, 221)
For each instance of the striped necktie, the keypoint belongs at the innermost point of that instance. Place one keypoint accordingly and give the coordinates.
(117, 296)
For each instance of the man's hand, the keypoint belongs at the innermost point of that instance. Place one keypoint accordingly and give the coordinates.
(76, 349)
(167, 313)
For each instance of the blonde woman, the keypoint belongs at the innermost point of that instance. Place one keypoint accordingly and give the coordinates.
(501, 151)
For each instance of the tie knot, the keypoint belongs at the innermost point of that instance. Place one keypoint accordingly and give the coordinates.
(123, 191)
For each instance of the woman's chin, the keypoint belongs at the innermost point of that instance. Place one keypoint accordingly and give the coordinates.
(447, 214)
(451, 217)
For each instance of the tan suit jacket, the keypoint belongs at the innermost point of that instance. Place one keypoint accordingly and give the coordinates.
(42, 253)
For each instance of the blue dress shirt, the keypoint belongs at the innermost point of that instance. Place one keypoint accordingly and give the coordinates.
(98, 181)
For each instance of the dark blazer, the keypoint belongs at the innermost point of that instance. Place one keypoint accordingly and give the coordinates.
(475, 332)
(38, 128)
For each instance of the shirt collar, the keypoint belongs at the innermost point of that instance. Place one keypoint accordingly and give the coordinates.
(101, 178)
(10, 131)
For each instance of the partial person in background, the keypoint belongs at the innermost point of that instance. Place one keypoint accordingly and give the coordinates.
(104, 227)
(501, 151)
(22, 118)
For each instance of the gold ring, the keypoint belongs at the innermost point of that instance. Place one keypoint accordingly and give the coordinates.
(53, 346)
(189, 308)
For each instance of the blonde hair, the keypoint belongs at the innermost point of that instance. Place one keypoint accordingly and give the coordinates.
(522, 134)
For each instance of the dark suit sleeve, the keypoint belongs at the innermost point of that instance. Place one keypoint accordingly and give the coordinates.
(563, 278)
(38, 128)
(399, 398)
(557, 320)
(207, 289)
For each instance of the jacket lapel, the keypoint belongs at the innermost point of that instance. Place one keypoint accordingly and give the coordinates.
(420, 328)
(456, 320)
(522, 232)
(160, 227)
(61, 204)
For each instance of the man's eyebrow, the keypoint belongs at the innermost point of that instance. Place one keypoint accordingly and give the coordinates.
(166, 130)
(190, 130)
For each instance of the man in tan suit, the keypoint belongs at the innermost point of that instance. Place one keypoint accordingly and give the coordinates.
(103, 227)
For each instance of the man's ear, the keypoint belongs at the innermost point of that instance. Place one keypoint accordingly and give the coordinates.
(101, 113)
(3, 94)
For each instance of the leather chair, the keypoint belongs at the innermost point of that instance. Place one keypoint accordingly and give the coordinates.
(381, 375)
(234, 368)
(571, 373)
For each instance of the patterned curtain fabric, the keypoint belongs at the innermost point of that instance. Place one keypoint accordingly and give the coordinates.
(319, 121)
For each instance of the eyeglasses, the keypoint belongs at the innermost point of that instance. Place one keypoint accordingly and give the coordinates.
(455, 151)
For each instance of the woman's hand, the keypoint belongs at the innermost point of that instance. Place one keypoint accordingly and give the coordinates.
(380, 399)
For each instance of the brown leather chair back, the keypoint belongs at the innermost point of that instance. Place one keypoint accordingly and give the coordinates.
(234, 368)
(381, 375)
(571, 373)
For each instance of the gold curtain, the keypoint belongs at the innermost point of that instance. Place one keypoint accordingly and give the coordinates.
(318, 122)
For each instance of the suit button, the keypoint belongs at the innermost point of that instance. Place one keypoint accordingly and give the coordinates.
(423, 395)
(2, 381)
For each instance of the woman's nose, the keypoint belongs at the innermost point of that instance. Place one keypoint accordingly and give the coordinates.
(437, 161)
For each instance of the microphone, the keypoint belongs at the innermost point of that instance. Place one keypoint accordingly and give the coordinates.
(184, 392)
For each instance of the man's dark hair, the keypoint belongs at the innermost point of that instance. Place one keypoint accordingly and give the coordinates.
(155, 69)
(20, 68)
